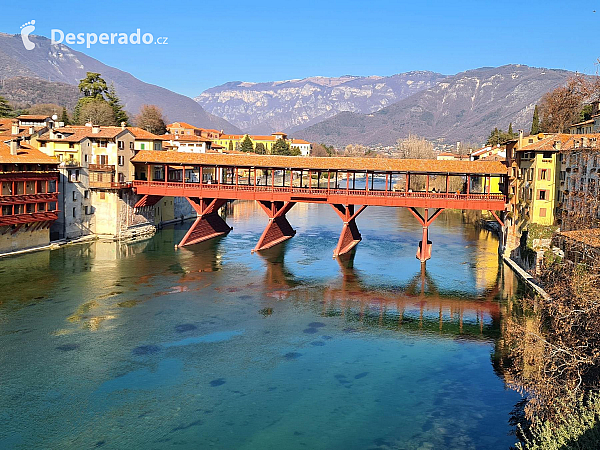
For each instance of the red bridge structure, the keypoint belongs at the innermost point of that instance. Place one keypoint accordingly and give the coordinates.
(277, 183)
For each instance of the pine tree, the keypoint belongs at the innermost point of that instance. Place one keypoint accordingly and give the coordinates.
(281, 147)
(5, 109)
(260, 148)
(115, 104)
(65, 117)
(247, 145)
(535, 124)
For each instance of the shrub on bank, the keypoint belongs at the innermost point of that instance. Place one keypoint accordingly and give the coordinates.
(579, 430)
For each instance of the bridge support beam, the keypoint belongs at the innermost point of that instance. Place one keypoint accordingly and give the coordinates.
(424, 251)
(148, 200)
(350, 235)
(278, 229)
(208, 224)
(503, 230)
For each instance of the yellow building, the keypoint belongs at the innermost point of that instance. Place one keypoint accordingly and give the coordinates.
(535, 186)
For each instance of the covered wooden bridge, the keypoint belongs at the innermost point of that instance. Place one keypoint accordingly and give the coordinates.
(209, 180)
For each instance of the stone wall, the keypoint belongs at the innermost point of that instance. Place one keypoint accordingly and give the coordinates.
(22, 239)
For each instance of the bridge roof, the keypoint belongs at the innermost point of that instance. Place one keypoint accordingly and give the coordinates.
(322, 163)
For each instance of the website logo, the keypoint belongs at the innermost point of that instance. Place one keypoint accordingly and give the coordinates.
(26, 30)
(137, 37)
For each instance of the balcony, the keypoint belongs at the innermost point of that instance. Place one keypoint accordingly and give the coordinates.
(70, 163)
(102, 168)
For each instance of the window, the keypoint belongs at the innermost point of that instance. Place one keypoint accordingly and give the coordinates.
(71, 145)
(102, 195)
(74, 212)
(121, 160)
(86, 194)
(543, 174)
(142, 146)
(120, 145)
(85, 158)
(131, 145)
(102, 159)
(74, 196)
(542, 212)
(542, 195)
(88, 210)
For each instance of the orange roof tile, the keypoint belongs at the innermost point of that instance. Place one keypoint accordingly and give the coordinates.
(323, 163)
(546, 144)
(33, 117)
(140, 133)
(299, 141)
(26, 154)
(181, 125)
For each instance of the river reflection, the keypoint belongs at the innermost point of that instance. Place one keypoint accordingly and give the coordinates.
(141, 345)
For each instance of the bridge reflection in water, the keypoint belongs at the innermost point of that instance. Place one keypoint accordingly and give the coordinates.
(277, 183)
(418, 306)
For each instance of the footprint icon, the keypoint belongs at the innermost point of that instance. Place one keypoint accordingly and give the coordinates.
(26, 30)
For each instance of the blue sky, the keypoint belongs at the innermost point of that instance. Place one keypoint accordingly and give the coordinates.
(212, 42)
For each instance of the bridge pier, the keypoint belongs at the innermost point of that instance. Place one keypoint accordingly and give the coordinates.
(208, 224)
(278, 229)
(424, 250)
(350, 236)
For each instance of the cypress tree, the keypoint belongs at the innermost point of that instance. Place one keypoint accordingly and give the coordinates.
(5, 109)
(535, 124)
(65, 117)
(510, 130)
(115, 104)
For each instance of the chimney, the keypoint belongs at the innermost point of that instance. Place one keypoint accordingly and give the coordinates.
(557, 145)
(15, 127)
(31, 130)
(123, 125)
(14, 147)
(52, 133)
(88, 124)
(520, 143)
(95, 129)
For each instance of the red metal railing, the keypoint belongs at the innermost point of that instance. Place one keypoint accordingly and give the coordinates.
(317, 191)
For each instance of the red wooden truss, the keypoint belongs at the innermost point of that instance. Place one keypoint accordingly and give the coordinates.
(424, 251)
(350, 235)
(208, 224)
(278, 229)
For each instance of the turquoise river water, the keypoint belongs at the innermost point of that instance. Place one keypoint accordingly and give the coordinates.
(139, 345)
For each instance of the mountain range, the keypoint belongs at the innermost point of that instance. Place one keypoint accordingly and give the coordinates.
(464, 107)
(369, 110)
(289, 105)
(60, 65)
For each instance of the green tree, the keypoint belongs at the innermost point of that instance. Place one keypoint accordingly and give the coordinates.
(260, 148)
(247, 145)
(281, 147)
(5, 109)
(115, 104)
(535, 124)
(510, 130)
(295, 151)
(98, 112)
(230, 146)
(65, 117)
(93, 85)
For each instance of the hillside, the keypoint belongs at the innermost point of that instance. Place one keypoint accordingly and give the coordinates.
(26, 91)
(263, 108)
(464, 107)
(59, 63)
